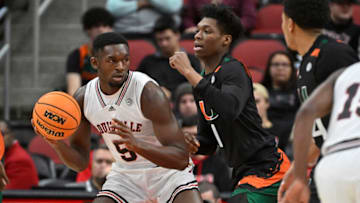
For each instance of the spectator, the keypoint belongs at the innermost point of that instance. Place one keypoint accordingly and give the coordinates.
(341, 26)
(19, 166)
(245, 9)
(261, 96)
(95, 21)
(185, 105)
(280, 81)
(208, 168)
(139, 16)
(101, 166)
(167, 38)
(209, 192)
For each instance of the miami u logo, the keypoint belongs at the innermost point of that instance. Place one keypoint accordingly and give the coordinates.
(207, 117)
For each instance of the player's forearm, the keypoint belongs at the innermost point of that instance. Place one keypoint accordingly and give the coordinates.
(165, 156)
(302, 142)
(193, 77)
(71, 157)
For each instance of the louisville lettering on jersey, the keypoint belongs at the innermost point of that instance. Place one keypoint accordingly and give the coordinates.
(105, 127)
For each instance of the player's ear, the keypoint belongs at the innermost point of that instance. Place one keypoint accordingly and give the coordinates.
(227, 40)
(94, 62)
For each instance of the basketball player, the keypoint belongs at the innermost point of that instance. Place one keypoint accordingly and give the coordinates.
(302, 21)
(134, 117)
(228, 117)
(337, 174)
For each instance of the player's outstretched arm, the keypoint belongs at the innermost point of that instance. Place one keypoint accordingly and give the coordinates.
(173, 153)
(75, 156)
(318, 105)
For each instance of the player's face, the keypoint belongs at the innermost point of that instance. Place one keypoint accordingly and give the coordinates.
(102, 161)
(113, 64)
(209, 40)
(287, 27)
(168, 41)
(280, 69)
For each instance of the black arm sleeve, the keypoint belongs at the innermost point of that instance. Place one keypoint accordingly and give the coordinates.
(332, 58)
(206, 138)
(229, 101)
(73, 62)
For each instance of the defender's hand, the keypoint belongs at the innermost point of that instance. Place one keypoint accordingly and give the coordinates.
(287, 180)
(180, 61)
(4, 180)
(193, 143)
(298, 192)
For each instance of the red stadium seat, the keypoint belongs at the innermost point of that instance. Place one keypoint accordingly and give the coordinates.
(356, 13)
(256, 74)
(188, 45)
(268, 20)
(255, 53)
(138, 50)
(39, 146)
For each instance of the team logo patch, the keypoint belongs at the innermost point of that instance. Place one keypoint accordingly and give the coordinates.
(308, 67)
(129, 101)
(213, 79)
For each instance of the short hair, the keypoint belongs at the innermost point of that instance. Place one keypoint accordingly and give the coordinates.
(227, 20)
(205, 186)
(165, 22)
(308, 14)
(261, 89)
(108, 38)
(189, 121)
(96, 17)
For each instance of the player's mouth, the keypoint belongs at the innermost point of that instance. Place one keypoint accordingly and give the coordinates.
(198, 47)
(117, 77)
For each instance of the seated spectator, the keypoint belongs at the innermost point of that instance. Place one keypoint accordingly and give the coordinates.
(209, 192)
(245, 9)
(261, 96)
(208, 168)
(19, 167)
(139, 16)
(280, 81)
(185, 105)
(95, 21)
(101, 165)
(167, 38)
(341, 26)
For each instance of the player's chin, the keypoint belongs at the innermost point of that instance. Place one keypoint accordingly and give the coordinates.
(114, 83)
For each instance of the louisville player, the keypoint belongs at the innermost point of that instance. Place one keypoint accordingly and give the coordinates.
(302, 22)
(134, 117)
(228, 117)
(337, 174)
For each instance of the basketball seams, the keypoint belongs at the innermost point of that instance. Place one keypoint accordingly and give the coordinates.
(37, 114)
(77, 122)
(69, 97)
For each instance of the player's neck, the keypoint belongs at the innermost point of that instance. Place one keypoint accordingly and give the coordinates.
(211, 62)
(107, 89)
(305, 41)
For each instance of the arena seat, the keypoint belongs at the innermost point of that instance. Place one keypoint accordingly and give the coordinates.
(356, 13)
(257, 74)
(268, 20)
(255, 53)
(39, 146)
(188, 45)
(138, 50)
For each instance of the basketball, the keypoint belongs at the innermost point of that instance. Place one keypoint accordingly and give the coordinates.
(2, 146)
(56, 115)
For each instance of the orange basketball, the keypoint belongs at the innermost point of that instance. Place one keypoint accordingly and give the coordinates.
(2, 146)
(56, 115)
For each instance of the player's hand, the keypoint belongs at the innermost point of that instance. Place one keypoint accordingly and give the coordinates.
(51, 142)
(126, 137)
(287, 180)
(180, 61)
(4, 180)
(193, 143)
(298, 192)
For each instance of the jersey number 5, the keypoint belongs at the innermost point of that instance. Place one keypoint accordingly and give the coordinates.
(351, 91)
(126, 154)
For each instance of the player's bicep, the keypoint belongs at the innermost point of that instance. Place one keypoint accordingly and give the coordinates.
(156, 107)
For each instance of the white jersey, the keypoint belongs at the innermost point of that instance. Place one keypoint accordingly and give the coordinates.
(124, 105)
(345, 116)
